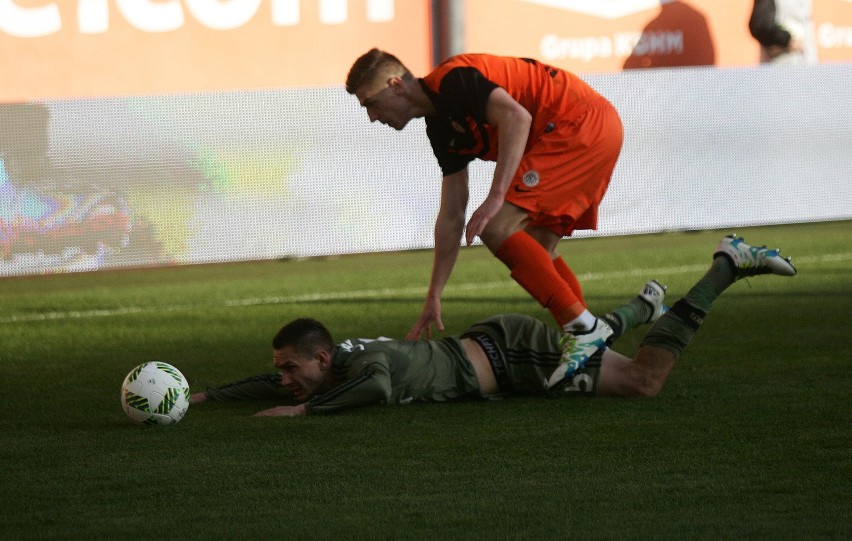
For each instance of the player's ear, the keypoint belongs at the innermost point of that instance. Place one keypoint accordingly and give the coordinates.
(397, 84)
(324, 358)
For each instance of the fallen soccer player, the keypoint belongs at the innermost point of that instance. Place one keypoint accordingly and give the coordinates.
(501, 355)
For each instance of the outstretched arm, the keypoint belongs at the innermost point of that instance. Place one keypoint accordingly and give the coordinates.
(283, 411)
(260, 387)
(448, 232)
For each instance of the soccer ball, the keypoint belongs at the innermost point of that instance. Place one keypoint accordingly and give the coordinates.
(155, 393)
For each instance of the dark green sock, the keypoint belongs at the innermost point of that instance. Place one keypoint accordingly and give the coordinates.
(627, 317)
(676, 328)
(712, 284)
(671, 331)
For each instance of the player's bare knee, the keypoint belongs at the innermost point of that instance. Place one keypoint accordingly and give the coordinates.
(650, 386)
(652, 367)
(642, 382)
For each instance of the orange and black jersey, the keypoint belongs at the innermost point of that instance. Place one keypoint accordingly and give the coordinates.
(459, 89)
(458, 131)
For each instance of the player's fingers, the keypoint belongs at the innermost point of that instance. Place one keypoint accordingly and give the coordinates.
(471, 231)
(439, 324)
(414, 332)
(476, 226)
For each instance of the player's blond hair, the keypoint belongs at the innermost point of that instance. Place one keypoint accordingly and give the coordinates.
(373, 65)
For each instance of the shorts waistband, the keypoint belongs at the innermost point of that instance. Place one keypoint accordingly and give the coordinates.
(495, 358)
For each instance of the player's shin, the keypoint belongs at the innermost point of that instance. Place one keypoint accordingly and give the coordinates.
(676, 328)
(533, 269)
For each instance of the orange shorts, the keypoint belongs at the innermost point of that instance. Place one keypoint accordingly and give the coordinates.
(563, 177)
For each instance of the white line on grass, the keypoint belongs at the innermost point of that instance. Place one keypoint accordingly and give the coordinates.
(367, 294)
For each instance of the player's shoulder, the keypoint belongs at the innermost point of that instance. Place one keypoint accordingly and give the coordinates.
(459, 74)
(454, 64)
(355, 345)
(355, 354)
(474, 60)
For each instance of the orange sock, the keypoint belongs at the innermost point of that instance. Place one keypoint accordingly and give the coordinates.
(533, 269)
(570, 278)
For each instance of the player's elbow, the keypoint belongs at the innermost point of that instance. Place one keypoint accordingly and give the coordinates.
(381, 389)
(520, 118)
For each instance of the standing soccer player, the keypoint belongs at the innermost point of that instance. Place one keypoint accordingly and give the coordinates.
(555, 141)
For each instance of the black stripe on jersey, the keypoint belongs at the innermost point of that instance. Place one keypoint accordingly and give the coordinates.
(526, 356)
(341, 389)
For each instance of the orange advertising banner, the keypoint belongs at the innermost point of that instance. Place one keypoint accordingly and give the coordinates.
(610, 35)
(833, 20)
(87, 48)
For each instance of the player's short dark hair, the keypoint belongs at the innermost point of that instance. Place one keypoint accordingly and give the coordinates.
(368, 64)
(305, 335)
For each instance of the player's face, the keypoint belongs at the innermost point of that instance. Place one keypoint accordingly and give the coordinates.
(385, 103)
(300, 374)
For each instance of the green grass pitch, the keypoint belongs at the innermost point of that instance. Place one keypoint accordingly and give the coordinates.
(750, 438)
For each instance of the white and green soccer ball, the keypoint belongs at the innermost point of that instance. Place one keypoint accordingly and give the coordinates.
(155, 393)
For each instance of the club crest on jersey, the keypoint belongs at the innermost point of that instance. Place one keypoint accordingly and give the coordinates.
(531, 179)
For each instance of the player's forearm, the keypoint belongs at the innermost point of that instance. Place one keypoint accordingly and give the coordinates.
(260, 387)
(283, 411)
(449, 227)
(513, 123)
(448, 234)
(513, 142)
(369, 387)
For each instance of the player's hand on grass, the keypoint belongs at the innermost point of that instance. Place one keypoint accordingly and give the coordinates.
(198, 398)
(431, 315)
(283, 411)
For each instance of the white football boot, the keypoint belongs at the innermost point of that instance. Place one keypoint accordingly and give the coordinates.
(751, 260)
(654, 293)
(577, 348)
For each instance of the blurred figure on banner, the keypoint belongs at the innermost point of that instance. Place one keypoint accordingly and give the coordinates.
(678, 36)
(24, 131)
(785, 30)
(48, 220)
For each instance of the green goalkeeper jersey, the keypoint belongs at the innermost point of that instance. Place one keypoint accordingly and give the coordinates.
(397, 372)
